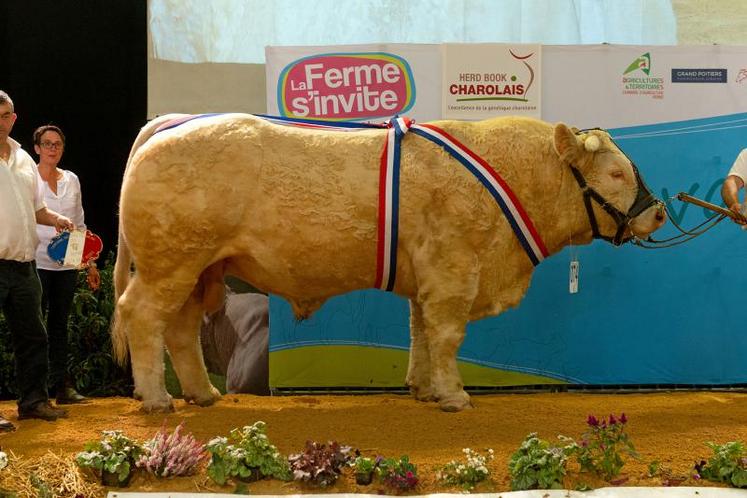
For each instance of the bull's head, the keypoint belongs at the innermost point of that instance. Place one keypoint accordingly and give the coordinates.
(618, 203)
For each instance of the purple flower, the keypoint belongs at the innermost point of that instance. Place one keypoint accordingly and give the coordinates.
(592, 421)
(623, 418)
(613, 420)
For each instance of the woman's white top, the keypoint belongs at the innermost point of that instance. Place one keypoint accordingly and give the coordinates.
(67, 201)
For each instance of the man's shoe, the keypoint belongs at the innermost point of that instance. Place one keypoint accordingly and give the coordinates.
(6, 425)
(44, 411)
(69, 396)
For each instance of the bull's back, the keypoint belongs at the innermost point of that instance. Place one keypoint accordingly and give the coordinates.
(238, 186)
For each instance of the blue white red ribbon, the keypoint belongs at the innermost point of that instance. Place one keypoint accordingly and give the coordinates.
(388, 225)
(505, 197)
(183, 118)
(389, 173)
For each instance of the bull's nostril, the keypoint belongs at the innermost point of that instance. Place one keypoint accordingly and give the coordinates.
(659, 216)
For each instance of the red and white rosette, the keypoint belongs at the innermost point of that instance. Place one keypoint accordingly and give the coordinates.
(75, 248)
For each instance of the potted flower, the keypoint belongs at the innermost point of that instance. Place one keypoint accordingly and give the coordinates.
(249, 457)
(112, 458)
(364, 469)
(175, 454)
(320, 464)
(469, 473)
(398, 475)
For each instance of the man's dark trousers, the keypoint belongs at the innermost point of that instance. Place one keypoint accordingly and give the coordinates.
(20, 299)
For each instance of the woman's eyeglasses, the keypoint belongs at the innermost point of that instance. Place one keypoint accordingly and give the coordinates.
(51, 145)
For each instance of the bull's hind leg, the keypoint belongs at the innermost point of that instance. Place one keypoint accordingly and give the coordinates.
(144, 322)
(419, 370)
(183, 343)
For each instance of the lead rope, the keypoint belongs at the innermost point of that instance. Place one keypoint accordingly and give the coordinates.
(683, 236)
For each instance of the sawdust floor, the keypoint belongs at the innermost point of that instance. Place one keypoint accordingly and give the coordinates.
(669, 427)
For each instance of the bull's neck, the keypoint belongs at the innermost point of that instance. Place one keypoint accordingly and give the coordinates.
(557, 207)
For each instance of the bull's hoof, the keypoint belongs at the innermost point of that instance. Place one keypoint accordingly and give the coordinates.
(455, 403)
(158, 406)
(422, 393)
(136, 395)
(205, 400)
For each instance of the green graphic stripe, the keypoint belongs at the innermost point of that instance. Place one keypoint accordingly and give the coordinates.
(358, 366)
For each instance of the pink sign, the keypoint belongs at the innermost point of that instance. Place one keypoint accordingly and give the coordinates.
(347, 86)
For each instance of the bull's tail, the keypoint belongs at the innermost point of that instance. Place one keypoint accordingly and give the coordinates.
(123, 264)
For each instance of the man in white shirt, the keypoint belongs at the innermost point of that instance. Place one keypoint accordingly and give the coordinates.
(734, 181)
(21, 209)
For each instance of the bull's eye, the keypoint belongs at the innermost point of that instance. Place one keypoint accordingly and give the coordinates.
(617, 174)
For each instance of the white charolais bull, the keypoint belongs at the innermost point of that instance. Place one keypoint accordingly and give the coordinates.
(294, 212)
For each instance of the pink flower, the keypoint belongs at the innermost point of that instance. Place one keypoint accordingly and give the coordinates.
(592, 421)
(623, 418)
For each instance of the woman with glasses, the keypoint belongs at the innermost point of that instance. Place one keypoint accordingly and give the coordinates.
(60, 189)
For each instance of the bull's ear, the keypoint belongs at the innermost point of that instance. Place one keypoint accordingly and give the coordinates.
(567, 144)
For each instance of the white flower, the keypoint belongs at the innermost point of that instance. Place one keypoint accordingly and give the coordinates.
(218, 441)
(3, 460)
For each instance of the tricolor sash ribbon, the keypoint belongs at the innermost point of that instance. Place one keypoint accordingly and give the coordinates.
(389, 173)
(505, 197)
(388, 225)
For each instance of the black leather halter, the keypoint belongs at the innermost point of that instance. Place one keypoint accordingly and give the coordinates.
(644, 199)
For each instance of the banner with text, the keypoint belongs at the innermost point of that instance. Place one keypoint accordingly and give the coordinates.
(355, 82)
(491, 79)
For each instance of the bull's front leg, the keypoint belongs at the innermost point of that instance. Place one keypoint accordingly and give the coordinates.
(445, 322)
(419, 369)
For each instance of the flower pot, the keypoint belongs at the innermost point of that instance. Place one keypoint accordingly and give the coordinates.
(112, 479)
(254, 475)
(363, 478)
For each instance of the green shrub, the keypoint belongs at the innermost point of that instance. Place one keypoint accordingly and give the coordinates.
(728, 464)
(538, 465)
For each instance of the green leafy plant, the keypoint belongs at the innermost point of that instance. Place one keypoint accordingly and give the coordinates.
(364, 465)
(728, 464)
(466, 474)
(398, 474)
(602, 446)
(538, 465)
(251, 454)
(364, 468)
(90, 361)
(43, 489)
(320, 464)
(115, 453)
